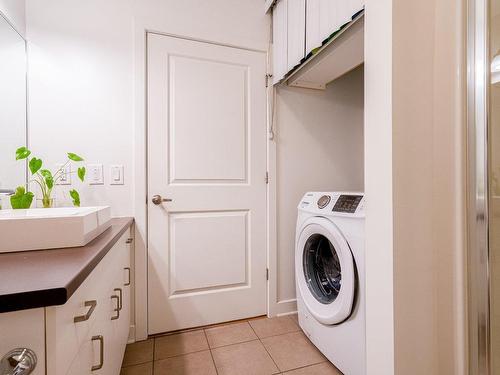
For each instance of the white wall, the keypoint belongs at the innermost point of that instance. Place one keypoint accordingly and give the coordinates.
(378, 188)
(415, 184)
(319, 147)
(14, 10)
(81, 91)
(82, 75)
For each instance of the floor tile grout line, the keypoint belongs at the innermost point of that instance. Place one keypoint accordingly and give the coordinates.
(154, 352)
(210, 350)
(279, 334)
(181, 354)
(209, 326)
(267, 351)
(136, 364)
(234, 343)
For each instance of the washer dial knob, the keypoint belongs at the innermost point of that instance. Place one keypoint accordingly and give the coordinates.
(323, 201)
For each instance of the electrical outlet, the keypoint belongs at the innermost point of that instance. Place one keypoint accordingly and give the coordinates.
(65, 178)
(95, 174)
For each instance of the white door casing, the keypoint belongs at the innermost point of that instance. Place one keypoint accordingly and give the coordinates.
(206, 152)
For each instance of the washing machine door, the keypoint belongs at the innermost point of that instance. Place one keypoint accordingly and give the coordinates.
(325, 271)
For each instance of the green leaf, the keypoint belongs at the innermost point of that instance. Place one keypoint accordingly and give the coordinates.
(21, 199)
(74, 157)
(46, 173)
(50, 182)
(76, 197)
(22, 153)
(81, 173)
(35, 165)
(47, 176)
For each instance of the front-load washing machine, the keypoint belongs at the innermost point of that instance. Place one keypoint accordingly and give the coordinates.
(330, 276)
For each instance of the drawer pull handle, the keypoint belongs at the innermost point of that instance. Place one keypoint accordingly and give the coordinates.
(120, 300)
(128, 271)
(117, 310)
(129, 240)
(92, 304)
(101, 352)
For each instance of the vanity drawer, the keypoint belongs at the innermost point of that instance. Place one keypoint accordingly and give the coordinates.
(69, 326)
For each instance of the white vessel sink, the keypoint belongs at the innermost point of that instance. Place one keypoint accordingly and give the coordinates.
(51, 228)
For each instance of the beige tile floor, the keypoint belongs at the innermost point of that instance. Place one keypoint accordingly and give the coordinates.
(254, 347)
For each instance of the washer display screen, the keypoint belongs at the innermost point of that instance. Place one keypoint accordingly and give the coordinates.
(322, 269)
(347, 203)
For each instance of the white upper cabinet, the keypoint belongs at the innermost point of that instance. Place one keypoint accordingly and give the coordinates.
(296, 21)
(300, 26)
(327, 16)
(280, 40)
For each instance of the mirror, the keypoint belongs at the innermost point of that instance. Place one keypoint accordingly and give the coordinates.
(13, 105)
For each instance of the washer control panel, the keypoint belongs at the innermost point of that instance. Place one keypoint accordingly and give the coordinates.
(347, 203)
(335, 203)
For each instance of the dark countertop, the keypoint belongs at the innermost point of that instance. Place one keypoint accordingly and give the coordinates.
(43, 278)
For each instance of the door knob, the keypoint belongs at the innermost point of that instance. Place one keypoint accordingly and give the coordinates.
(157, 199)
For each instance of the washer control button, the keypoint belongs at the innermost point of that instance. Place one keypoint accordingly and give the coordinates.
(323, 201)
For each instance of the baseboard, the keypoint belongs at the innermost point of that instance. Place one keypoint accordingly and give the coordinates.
(285, 307)
(288, 313)
(131, 334)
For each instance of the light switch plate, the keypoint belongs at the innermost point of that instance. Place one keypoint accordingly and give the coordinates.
(65, 178)
(116, 174)
(95, 174)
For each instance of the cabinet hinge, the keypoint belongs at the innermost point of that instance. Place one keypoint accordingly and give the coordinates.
(267, 274)
(268, 77)
(267, 177)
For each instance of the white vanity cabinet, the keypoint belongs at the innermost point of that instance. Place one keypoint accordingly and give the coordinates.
(88, 334)
(69, 307)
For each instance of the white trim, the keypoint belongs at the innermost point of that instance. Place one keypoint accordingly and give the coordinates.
(289, 313)
(140, 191)
(285, 307)
(272, 239)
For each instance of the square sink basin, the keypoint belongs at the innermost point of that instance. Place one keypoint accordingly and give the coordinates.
(51, 228)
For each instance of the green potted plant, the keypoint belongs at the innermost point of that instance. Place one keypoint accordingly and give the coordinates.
(45, 179)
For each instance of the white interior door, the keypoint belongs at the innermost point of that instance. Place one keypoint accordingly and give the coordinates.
(207, 153)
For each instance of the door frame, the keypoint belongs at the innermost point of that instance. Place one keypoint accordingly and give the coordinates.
(139, 328)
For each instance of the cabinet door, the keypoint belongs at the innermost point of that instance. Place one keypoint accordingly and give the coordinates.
(24, 329)
(355, 6)
(313, 35)
(296, 26)
(120, 327)
(280, 43)
(324, 17)
(94, 352)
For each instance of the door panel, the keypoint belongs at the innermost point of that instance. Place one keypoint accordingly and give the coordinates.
(215, 151)
(207, 152)
(208, 251)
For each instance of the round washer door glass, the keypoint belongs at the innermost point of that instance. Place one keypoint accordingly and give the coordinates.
(322, 269)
